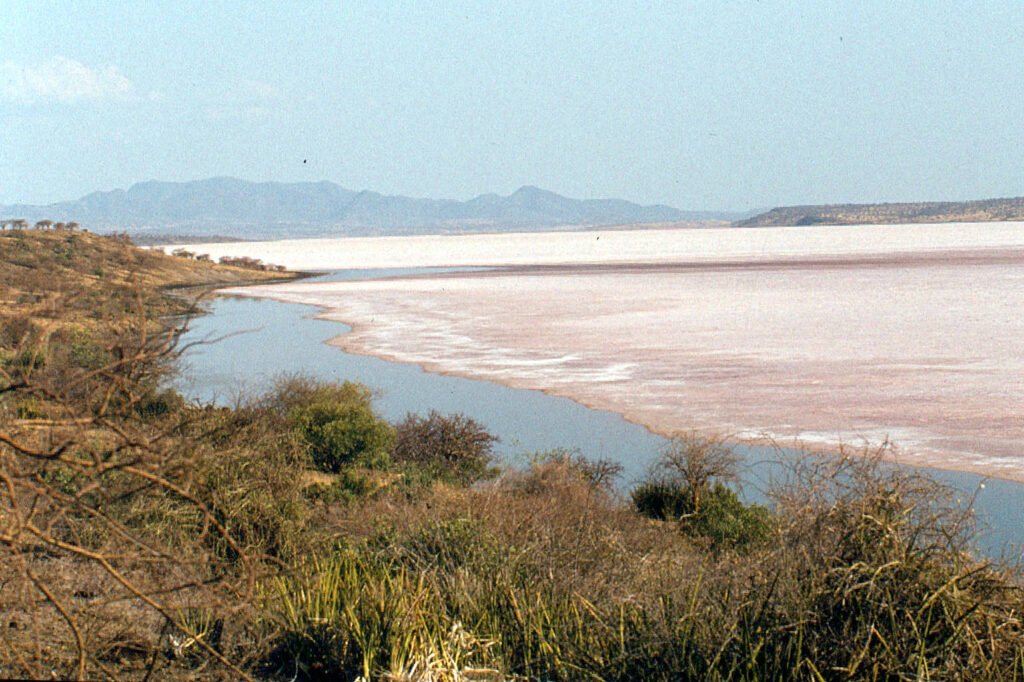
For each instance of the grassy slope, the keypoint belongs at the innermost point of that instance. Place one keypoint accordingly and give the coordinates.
(83, 341)
(40, 269)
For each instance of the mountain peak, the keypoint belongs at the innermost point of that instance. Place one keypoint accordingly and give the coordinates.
(532, 190)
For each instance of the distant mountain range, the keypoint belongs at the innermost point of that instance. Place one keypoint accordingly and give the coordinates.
(864, 214)
(229, 207)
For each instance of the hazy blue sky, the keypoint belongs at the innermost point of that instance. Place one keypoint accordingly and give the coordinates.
(717, 105)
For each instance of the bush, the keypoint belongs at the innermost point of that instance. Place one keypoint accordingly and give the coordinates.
(687, 486)
(722, 518)
(246, 473)
(597, 473)
(339, 434)
(451, 544)
(347, 486)
(875, 561)
(88, 354)
(295, 391)
(662, 500)
(159, 404)
(454, 446)
(335, 422)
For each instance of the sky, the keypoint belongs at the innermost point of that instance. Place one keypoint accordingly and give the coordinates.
(705, 105)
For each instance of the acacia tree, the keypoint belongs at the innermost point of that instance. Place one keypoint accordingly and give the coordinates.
(697, 463)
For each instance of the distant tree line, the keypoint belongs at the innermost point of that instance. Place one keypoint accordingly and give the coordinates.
(236, 261)
(21, 224)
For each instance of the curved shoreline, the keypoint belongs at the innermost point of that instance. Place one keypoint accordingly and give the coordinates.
(890, 450)
(816, 338)
(349, 342)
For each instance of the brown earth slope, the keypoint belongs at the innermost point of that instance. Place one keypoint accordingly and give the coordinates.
(71, 276)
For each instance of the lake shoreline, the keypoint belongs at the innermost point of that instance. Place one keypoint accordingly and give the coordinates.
(888, 451)
(823, 338)
(348, 342)
(267, 339)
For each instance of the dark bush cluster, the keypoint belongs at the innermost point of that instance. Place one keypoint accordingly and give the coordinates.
(455, 446)
(249, 263)
(722, 519)
(688, 486)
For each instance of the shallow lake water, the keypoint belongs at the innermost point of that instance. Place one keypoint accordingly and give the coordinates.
(245, 343)
(260, 340)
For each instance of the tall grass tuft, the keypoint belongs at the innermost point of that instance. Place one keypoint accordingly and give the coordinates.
(354, 615)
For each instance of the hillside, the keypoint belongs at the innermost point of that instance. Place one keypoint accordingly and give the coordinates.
(271, 210)
(867, 214)
(63, 275)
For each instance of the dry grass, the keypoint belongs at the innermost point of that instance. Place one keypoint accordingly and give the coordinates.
(109, 529)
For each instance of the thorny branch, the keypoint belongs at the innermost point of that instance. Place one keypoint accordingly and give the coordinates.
(78, 466)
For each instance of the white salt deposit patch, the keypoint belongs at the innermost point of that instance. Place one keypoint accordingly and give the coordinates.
(755, 244)
(923, 346)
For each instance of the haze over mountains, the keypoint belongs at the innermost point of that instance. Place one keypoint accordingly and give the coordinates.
(229, 208)
(273, 210)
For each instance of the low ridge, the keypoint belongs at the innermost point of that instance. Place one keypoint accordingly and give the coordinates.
(986, 210)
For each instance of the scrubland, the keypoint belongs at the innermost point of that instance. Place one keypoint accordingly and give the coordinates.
(296, 535)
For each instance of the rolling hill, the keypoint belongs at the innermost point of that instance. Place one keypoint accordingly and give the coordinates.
(868, 214)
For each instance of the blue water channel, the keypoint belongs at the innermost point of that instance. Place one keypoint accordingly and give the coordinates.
(243, 345)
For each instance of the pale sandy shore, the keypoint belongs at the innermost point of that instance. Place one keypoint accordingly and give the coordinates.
(917, 338)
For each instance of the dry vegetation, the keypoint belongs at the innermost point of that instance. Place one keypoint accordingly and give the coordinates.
(298, 536)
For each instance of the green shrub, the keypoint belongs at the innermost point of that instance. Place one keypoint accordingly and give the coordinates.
(159, 404)
(721, 517)
(687, 486)
(662, 500)
(726, 521)
(87, 354)
(340, 434)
